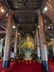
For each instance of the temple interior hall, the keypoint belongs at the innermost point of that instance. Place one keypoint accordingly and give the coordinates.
(26, 35)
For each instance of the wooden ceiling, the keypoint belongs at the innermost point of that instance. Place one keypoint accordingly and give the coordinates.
(3, 14)
(50, 11)
(26, 7)
(25, 12)
(24, 4)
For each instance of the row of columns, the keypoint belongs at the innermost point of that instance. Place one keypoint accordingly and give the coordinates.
(41, 43)
(6, 60)
(42, 46)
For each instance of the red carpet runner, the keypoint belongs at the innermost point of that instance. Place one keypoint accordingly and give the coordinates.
(23, 67)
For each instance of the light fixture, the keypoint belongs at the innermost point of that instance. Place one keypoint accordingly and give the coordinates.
(33, 44)
(52, 39)
(45, 9)
(18, 33)
(48, 27)
(2, 10)
(38, 26)
(14, 27)
(6, 14)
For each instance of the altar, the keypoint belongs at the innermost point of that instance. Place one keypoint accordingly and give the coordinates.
(27, 55)
(27, 47)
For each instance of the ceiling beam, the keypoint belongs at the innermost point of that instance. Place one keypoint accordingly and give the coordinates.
(23, 10)
(50, 34)
(49, 16)
(2, 32)
(50, 24)
(27, 29)
(34, 23)
(7, 4)
(3, 27)
(50, 43)
(43, 5)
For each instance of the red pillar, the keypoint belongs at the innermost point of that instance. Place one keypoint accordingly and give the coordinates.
(44, 56)
(38, 44)
(53, 52)
(6, 62)
(16, 43)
